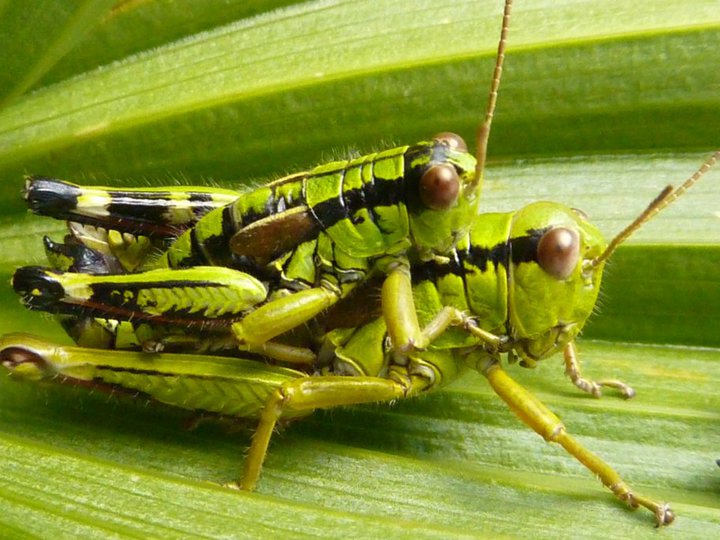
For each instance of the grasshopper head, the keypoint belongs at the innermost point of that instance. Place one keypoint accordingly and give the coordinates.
(553, 283)
(441, 192)
(556, 263)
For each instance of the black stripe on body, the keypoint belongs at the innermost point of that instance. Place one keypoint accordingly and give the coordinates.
(212, 250)
(151, 208)
(480, 257)
(133, 226)
(178, 318)
(196, 256)
(331, 211)
(362, 198)
(199, 210)
(154, 208)
(383, 192)
(432, 270)
(522, 249)
(380, 193)
(276, 202)
(217, 248)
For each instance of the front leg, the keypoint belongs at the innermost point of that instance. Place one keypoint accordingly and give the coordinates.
(572, 370)
(398, 308)
(536, 415)
(404, 329)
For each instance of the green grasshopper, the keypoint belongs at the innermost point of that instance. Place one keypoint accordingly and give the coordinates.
(298, 280)
(492, 284)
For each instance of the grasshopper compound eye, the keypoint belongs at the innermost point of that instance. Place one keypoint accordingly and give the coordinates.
(439, 187)
(452, 140)
(558, 252)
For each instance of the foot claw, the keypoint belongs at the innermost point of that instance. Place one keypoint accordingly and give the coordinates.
(664, 516)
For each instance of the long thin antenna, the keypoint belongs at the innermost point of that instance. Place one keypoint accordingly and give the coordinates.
(483, 133)
(666, 198)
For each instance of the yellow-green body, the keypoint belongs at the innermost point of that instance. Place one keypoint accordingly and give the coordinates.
(367, 206)
(311, 237)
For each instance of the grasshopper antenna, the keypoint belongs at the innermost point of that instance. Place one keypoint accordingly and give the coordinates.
(666, 197)
(483, 133)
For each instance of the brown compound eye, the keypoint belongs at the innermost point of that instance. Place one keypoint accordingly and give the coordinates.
(558, 252)
(452, 140)
(439, 187)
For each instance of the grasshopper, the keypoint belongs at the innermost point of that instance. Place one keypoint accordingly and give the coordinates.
(510, 262)
(542, 247)
(484, 301)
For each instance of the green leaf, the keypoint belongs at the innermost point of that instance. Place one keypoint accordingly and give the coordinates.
(134, 27)
(602, 105)
(35, 35)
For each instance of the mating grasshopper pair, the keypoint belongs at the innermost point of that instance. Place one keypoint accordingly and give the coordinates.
(501, 275)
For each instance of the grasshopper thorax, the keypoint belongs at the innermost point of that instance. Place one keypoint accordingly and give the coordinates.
(552, 285)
